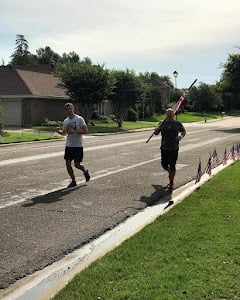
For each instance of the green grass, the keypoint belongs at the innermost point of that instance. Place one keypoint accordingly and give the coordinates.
(17, 137)
(196, 117)
(191, 252)
(46, 132)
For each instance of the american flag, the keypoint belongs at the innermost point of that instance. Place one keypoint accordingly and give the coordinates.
(214, 159)
(180, 102)
(199, 173)
(208, 168)
(225, 157)
(231, 154)
(238, 151)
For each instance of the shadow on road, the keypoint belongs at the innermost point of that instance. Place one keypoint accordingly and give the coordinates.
(232, 130)
(161, 195)
(50, 197)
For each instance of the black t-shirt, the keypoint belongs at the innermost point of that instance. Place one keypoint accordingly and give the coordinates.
(169, 132)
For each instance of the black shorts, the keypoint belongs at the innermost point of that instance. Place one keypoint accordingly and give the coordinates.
(74, 153)
(169, 158)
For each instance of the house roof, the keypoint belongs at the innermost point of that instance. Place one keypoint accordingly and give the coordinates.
(31, 80)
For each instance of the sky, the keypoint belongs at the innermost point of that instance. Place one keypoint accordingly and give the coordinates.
(191, 37)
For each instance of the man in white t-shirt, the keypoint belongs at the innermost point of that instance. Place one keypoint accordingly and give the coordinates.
(74, 126)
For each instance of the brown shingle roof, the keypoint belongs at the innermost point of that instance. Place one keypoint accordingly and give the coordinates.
(11, 83)
(24, 81)
(41, 84)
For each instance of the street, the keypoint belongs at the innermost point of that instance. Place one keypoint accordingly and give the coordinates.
(41, 221)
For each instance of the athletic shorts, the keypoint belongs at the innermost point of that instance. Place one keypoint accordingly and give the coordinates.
(74, 153)
(169, 158)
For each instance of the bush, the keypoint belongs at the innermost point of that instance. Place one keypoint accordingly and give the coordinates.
(106, 119)
(95, 115)
(91, 123)
(49, 123)
(113, 118)
(132, 115)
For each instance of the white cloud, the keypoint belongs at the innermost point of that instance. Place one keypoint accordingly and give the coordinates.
(157, 34)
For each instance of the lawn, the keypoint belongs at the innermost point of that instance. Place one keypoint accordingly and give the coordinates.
(9, 137)
(192, 252)
(46, 132)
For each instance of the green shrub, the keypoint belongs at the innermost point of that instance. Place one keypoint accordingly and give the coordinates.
(132, 115)
(95, 115)
(106, 119)
(91, 123)
(113, 118)
(49, 123)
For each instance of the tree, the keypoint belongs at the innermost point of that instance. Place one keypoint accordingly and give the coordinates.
(230, 80)
(126, 93)
(157, 90)
(71, 57)
(85, 83)
(1, 116)
(47, 56)
(204, 98)
(21, 55)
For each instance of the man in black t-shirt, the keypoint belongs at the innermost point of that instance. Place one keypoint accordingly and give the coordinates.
(172, 132)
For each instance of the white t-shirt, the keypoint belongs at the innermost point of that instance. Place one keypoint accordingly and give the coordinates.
(74, 139)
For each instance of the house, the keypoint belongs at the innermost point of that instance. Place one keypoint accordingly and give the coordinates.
(163, 87)
(30, 93)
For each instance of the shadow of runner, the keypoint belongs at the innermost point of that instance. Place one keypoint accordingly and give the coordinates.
(50, 197)
(161, 195)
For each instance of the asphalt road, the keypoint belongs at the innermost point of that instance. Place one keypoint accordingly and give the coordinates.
(41, 221)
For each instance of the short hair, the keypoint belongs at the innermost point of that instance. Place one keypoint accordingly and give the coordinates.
(170, 109)
(68, 104)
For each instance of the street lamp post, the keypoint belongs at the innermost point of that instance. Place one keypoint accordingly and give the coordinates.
(143, 110)
(175, 74)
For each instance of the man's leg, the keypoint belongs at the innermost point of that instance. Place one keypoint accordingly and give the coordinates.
(78, 157)
(172, 174)
(70, 169)
(82, 168)
(173, 155)
(79, 166)
(164, 160)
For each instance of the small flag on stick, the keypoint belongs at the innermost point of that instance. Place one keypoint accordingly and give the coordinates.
(231, 154)
(208, 168)
(238, 151)
(180, 102)
(214, 159)
(224, 157)
(199, 172)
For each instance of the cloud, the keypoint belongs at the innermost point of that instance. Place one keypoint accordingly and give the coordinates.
(142, 33)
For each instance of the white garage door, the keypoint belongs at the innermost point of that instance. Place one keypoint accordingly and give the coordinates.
(12, 112)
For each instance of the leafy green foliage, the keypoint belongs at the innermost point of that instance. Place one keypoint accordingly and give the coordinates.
(132, 115)
(86, 83)
(127, 91)
(203, 98)
(230, 81)
(49, 123)
(47, 56)
(21, 55)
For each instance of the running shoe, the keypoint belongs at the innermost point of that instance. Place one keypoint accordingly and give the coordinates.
(72, 184)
